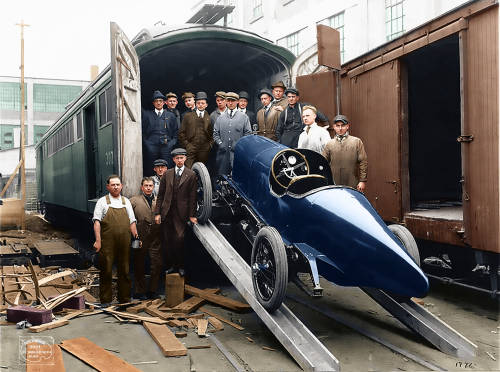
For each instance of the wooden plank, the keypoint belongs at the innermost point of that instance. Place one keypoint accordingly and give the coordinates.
(174, 289)
(96, 356)
(193, 303)
(136, 317)
(202, 327)
(36, 358)
(47, 326)
(208, 346)
(216, 323)
(222, 319)
(157, 313)
(166, 340)
(217, 299)
(139, 307)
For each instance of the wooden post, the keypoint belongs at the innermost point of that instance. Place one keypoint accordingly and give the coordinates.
(22, 171)
(174, 289)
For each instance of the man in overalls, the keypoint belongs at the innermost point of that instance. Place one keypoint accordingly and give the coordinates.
(114, 220)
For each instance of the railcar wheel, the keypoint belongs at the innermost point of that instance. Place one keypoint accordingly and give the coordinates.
(406, 238)
(269, 268)
(203, 193)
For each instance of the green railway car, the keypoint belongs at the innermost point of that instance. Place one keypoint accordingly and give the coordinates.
(100, 132)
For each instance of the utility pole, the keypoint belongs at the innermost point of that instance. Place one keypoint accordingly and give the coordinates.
(22, 171)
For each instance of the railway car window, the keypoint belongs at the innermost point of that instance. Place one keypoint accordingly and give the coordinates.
(108, 105)
(102, 109)
(79, 126)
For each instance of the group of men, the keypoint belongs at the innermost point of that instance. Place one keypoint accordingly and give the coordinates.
(172, 143)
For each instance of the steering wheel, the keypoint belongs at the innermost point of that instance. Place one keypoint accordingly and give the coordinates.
(288, 164)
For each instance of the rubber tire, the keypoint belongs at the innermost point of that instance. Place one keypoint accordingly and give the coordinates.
(204, 177)
(406, 238)
(278, 248)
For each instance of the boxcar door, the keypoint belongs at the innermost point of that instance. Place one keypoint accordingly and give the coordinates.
(126, 93)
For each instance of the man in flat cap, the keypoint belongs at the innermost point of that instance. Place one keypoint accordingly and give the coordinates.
(159, 167)
(279, 100)
(175, 206)
(290, 124)
(242, 106)
(228, 129)
(171, 104)
(159, 133)
(267, 116)
(313, 137)
(347, 156)
(220, 101)
(196, 133)
(188, 99)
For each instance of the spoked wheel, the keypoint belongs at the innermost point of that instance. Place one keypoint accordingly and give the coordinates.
(204, 193)
(269, 268)
(406, 238)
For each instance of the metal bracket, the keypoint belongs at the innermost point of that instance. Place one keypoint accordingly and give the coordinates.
(465, 138)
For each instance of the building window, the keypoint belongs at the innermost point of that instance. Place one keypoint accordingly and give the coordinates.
(53, 98)
(39, 131)
(394, 16)
(337, 22)
(7, 136)
(257, 9)
(10, 96)
(291, 42)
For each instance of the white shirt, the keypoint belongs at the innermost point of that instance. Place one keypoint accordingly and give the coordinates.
(315, 140)
(177, 169)
(200, 113)
(159, 112)
(243, 110)
(101, 207)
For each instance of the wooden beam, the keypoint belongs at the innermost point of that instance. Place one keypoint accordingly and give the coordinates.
(216, 323)
(222, 319)
(166, 340)
(217, 299)
(202, 327)
(193, 303)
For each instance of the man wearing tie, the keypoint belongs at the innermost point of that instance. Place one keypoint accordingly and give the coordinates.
(175, 206)
(242, 106)
(267, 116)
(159, 133)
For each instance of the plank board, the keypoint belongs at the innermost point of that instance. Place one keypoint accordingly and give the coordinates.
(47, 326)
(96, 356)
(202, 327)
(174, 289)
(217, 299)
(222, 319)
(193, 303)
(166, 340)
(53, 247)
(216, 323)
(44, 358)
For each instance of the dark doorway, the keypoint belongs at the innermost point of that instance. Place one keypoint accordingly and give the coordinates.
(89, 122)
(434, 124)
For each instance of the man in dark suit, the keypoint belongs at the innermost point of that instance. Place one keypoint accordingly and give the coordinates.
(159, 133)
(242, 106)
(144, 205)
(196, 133)
(171, 105)
(175, 206)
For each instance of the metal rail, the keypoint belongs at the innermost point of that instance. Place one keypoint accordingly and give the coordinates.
(295, 337)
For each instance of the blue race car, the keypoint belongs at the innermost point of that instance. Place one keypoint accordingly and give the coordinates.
(300, 224)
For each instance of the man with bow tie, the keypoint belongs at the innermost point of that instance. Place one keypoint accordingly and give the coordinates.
(229, 128)
(159, 133)
(175, 206)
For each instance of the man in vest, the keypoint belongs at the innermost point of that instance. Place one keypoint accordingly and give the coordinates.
(114, 220)
(175, 206)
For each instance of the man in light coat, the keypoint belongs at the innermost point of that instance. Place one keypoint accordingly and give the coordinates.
(229, 128)
(313, 137)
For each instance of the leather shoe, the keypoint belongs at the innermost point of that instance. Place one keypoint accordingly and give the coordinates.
(170, 270)
(181, 272)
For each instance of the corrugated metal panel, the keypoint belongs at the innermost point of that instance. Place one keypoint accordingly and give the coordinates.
(374, 111)
(481, 211)
(319, 90)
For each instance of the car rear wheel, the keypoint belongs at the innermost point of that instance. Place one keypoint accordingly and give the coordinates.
(204, 193)
(406, 238)
(269, 268)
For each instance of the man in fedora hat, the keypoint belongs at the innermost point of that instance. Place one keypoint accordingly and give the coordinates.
(188, 99)
(175, 206)
(267, 116)
(228, 129)
(242, 106)
(196, 133)
(220, 101)
(347, 156)
(171, 104)
(279, 100)
(290, 123)
(159, 133)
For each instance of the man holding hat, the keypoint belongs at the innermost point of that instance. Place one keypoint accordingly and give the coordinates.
(290, 124)
(220, 101)
(171, 104)
(279, 100)
(159, 167)
(267, 116)
(196, 133)
(242, 106)
(159, 133)
(347, 156)
(175, 206)
(228, 129)
(188, 99)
